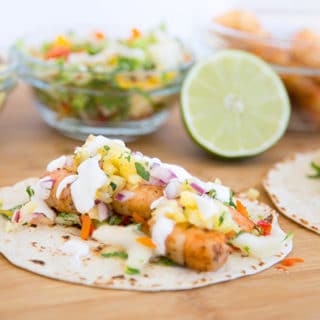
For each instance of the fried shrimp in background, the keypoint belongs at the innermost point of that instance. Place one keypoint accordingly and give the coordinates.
(302, 50)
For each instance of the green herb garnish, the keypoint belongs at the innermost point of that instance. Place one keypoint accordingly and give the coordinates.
(316, 168)
(114, 220)
(231, 203)
(141, 171)
(113, 185)
(221, 219)
(66, 218)
(116, 254)
(129, 270)
(212, 193)
(165, 261)
(288, 236)
(107, 148)
(246, 249)
(139, 226)
(29, 191)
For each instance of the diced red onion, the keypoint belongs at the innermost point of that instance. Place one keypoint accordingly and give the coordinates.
(97, 201)
(172, 189)
(124, 195)
(16, 216)
(156, 182)
(103, 211)
(161, 173)
(198, 188)
(46, 183)
(137, 153)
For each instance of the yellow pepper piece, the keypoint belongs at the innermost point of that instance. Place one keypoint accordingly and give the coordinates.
(62, 41)
(6, 213)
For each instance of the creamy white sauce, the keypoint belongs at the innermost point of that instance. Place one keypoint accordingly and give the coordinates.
(90, 179)
(260, 246)
(162, 228)
(157, 203)
(39, 197)
(56, 163)
(75, 248)
(223, 193)
(64, 183)
(207, 206)
(93, 145)
(126, 238)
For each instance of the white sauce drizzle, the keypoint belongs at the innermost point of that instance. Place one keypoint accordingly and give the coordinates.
(56, 163)
(207, 206)
(64, 183)
(93, 145)
(162, 228)
(125, 237)
(90, 179)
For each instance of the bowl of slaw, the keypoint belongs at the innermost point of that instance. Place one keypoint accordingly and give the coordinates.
(87, 82)
(7, 76)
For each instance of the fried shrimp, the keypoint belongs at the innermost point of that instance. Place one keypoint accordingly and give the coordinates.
(64, 202)
(196, 248)
(140, 202)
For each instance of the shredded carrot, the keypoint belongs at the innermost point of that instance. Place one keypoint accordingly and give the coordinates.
(58, 52)
(137, 218)
(85, 227)
(242, 209)
(99, 35)
(146, 241)
(135, 33)
(289, 262)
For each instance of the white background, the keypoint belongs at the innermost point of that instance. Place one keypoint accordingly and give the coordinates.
(184, 17)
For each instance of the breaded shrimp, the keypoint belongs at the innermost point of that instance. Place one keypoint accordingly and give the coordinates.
(196, 248)
(65, 202)
(306, 47)
(141, 201)
(241, 20)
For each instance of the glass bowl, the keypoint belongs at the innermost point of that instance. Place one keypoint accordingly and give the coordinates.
(80, 101)
(7, 76)
(287, 41)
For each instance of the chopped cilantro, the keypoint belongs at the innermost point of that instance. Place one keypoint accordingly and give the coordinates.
(128, 157)
(246, 249)
(114, 220)
(129, 270)
(316, 168)
(113, 185)
(231, 203)
(29, 191)
(165, 261)
(139, 226)
(212, 193)
(142, 172)
(221, 219)
(106, 147)
(116, 254)
(288, 236)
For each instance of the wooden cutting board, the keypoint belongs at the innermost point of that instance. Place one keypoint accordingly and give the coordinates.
(27, 144)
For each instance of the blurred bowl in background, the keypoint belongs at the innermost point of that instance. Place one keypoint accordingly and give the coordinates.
(7, 76)
(94, 84)
(287, 41)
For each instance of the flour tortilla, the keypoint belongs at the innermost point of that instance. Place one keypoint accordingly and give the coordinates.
(294, 194)
(39, 250)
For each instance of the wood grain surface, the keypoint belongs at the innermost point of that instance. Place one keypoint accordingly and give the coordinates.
(27, 144)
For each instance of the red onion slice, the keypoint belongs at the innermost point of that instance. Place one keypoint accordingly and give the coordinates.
(46, 183)
(124, 195)
(171, 191)
(16, 216)
(161, 173)
(197, 187)
(103, 211)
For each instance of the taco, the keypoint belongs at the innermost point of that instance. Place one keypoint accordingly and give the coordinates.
(112, 218)
(294, 187)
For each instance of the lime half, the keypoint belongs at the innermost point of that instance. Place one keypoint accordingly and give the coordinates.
(234, 105)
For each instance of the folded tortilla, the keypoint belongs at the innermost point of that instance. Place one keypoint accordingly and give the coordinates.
(295, 194)
(44, 251)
